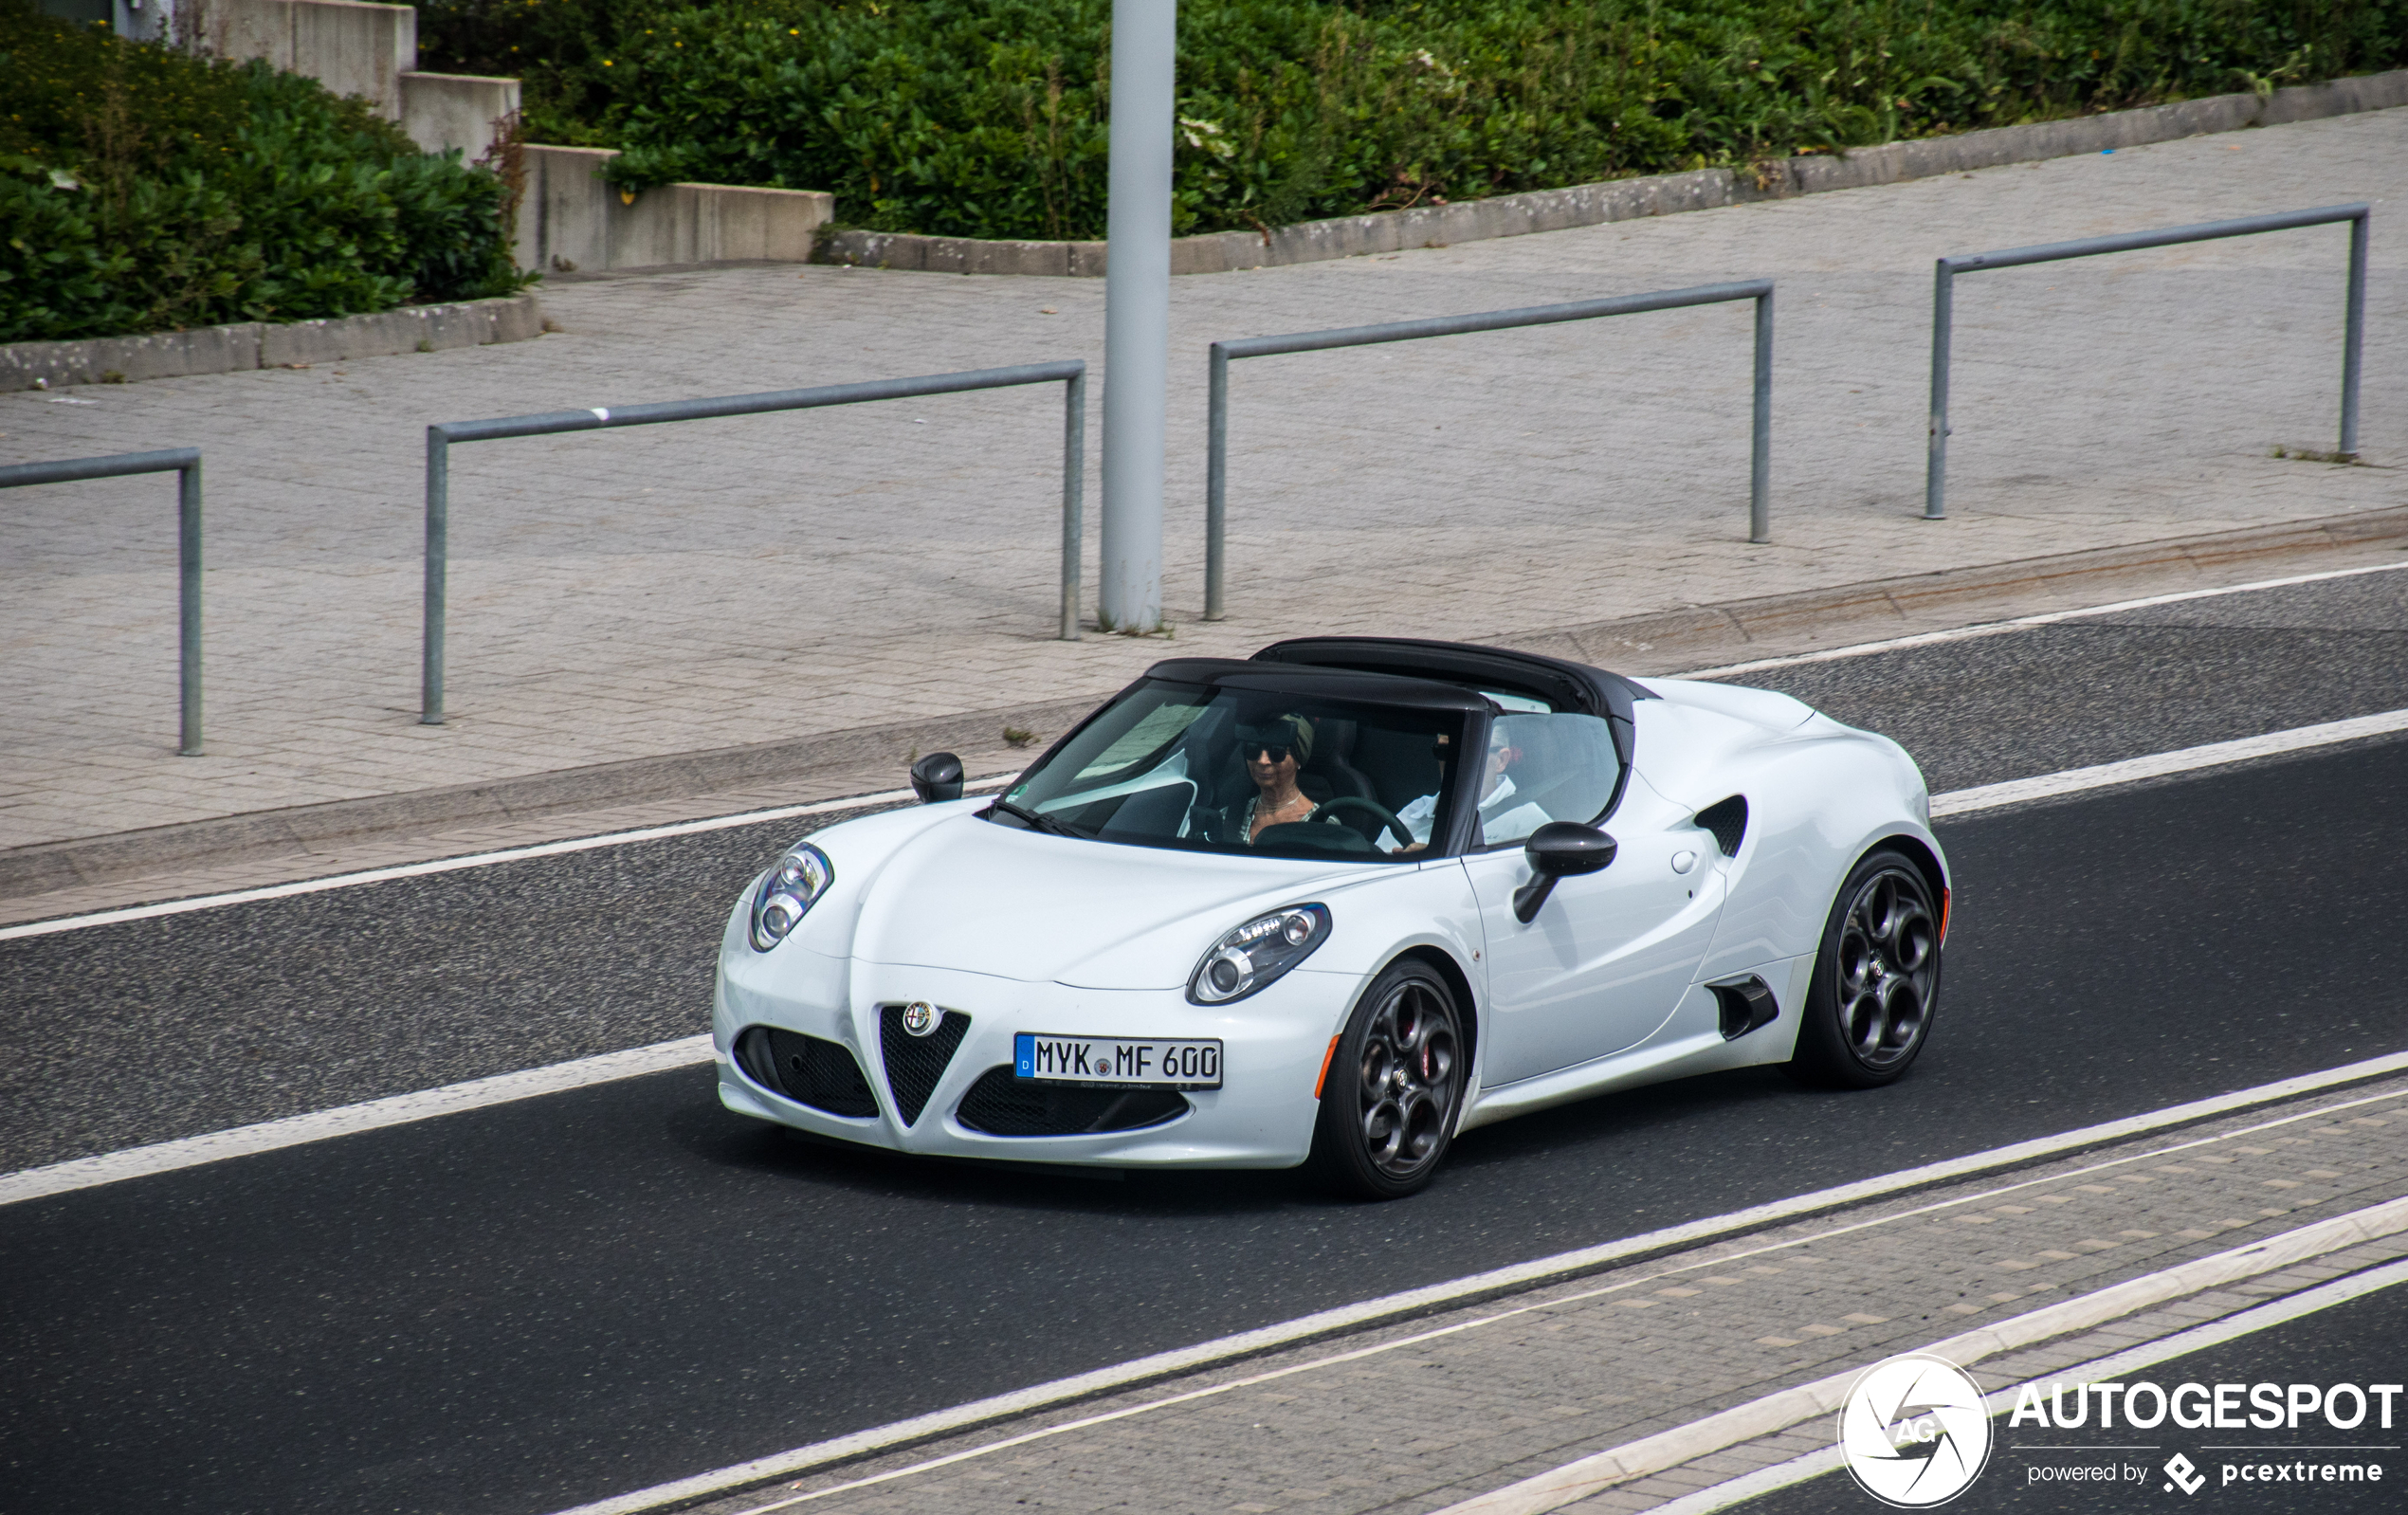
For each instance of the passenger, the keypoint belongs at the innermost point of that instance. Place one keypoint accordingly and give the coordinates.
(1273, 752)
(1499, 820)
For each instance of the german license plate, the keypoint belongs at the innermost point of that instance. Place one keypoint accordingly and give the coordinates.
(1118, 1061)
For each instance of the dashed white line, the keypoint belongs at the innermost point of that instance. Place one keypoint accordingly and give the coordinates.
(1970, 634)
(474, 860)
(2159, 765)
(319, 1125)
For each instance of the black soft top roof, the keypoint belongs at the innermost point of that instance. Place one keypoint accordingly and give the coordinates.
(1564, 685)
(1364, 686)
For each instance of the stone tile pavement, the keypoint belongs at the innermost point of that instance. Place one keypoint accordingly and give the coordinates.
(670, 590)
(1418, 1416)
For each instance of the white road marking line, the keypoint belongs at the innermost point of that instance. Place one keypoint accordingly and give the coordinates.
(1776, 1413)
(293, 1129)
(1518, 1276)
(343, 880)
(2157, 765)
(1550, 1303)
(399, 1109)
(474, 860)
(2104, 1370)
(1956, 802)
(1969, 633)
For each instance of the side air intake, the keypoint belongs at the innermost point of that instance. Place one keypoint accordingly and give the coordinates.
(806, 1070)
(1001, 1105)
(1727, 820)
(1746, 1004)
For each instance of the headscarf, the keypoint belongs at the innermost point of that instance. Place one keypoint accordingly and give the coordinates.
(1290, 731)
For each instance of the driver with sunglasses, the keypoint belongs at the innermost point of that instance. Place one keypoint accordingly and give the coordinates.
(1273, 752)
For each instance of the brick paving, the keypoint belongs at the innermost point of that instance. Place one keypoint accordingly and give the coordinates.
(1416, 1417)
(670, 590)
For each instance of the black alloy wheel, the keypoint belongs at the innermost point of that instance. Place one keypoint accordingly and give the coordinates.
(1388, 1105)
(1877, 979)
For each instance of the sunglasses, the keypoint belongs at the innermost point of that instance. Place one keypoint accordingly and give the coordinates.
(1272, 752)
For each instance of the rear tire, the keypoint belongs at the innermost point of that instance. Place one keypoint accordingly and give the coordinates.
(1876, 979)
(1394, 1087)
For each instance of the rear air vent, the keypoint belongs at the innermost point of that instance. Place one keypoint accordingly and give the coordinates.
(914, 1064)
(1727, 821)
(806, 1070)
(1000, 1104)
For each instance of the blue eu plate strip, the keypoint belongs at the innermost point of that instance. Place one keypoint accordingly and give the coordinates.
(1023, 1054)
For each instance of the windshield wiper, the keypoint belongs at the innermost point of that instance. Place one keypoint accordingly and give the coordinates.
(1039, 823)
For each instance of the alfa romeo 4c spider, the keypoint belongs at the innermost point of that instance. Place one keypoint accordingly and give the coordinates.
(1337, 903)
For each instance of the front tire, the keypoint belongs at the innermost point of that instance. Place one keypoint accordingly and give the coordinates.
(1394, 1087)
(1876, 977)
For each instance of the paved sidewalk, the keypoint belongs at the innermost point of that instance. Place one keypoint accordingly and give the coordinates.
(664, 591)
(1420, 1416)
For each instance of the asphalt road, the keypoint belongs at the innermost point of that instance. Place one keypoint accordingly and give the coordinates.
(523, 1307)
(2363, 1341)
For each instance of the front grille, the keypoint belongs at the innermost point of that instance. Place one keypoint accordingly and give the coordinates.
(1000, 1104)
(806, 1070)
(914, 1064)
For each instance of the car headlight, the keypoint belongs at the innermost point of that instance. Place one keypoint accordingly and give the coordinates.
(1257, 953)
(787, 891)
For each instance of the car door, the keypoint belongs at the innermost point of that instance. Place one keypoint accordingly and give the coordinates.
(1610, 954)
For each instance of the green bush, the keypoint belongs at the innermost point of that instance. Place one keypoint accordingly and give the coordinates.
(143, 189)
(987, 118)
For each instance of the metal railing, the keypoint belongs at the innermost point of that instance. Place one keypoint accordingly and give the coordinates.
(1069, 373)
(185, 463)
(1944, 300)
(1759, 520)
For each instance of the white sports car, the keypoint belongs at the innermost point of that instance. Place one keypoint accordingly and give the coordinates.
(1255, 913)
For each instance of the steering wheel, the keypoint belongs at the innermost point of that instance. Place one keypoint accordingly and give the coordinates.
(1386, 817)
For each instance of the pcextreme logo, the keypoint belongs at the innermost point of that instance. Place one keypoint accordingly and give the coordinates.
(1913, 1430)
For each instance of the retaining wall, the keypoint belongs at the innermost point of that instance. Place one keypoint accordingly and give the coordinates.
(351, 48)
(572, 221)
(442, 111)
(259, 344)
(1585, 205)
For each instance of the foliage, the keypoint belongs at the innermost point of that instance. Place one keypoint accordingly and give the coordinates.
(988, 118)
(143, 189)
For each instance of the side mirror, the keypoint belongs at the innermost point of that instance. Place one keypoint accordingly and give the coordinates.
(936, 776)
(1558, 850)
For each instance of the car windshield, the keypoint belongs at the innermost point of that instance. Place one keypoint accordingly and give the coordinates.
(1226, 770)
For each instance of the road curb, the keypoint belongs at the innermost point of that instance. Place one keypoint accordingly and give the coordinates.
(1914, 599)
(1919, 598)
(1774, 1413)
(269, 344)
(1588, 204)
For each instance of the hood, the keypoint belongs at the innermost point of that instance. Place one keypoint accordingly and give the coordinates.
(968, 894)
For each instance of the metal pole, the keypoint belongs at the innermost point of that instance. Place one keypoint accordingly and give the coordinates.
(2353, 348)
(188, 564)
(1074, 463)
(1137, 312)
(438, 563)
(1759, 472)
(1216, 484)
(1935, 478)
